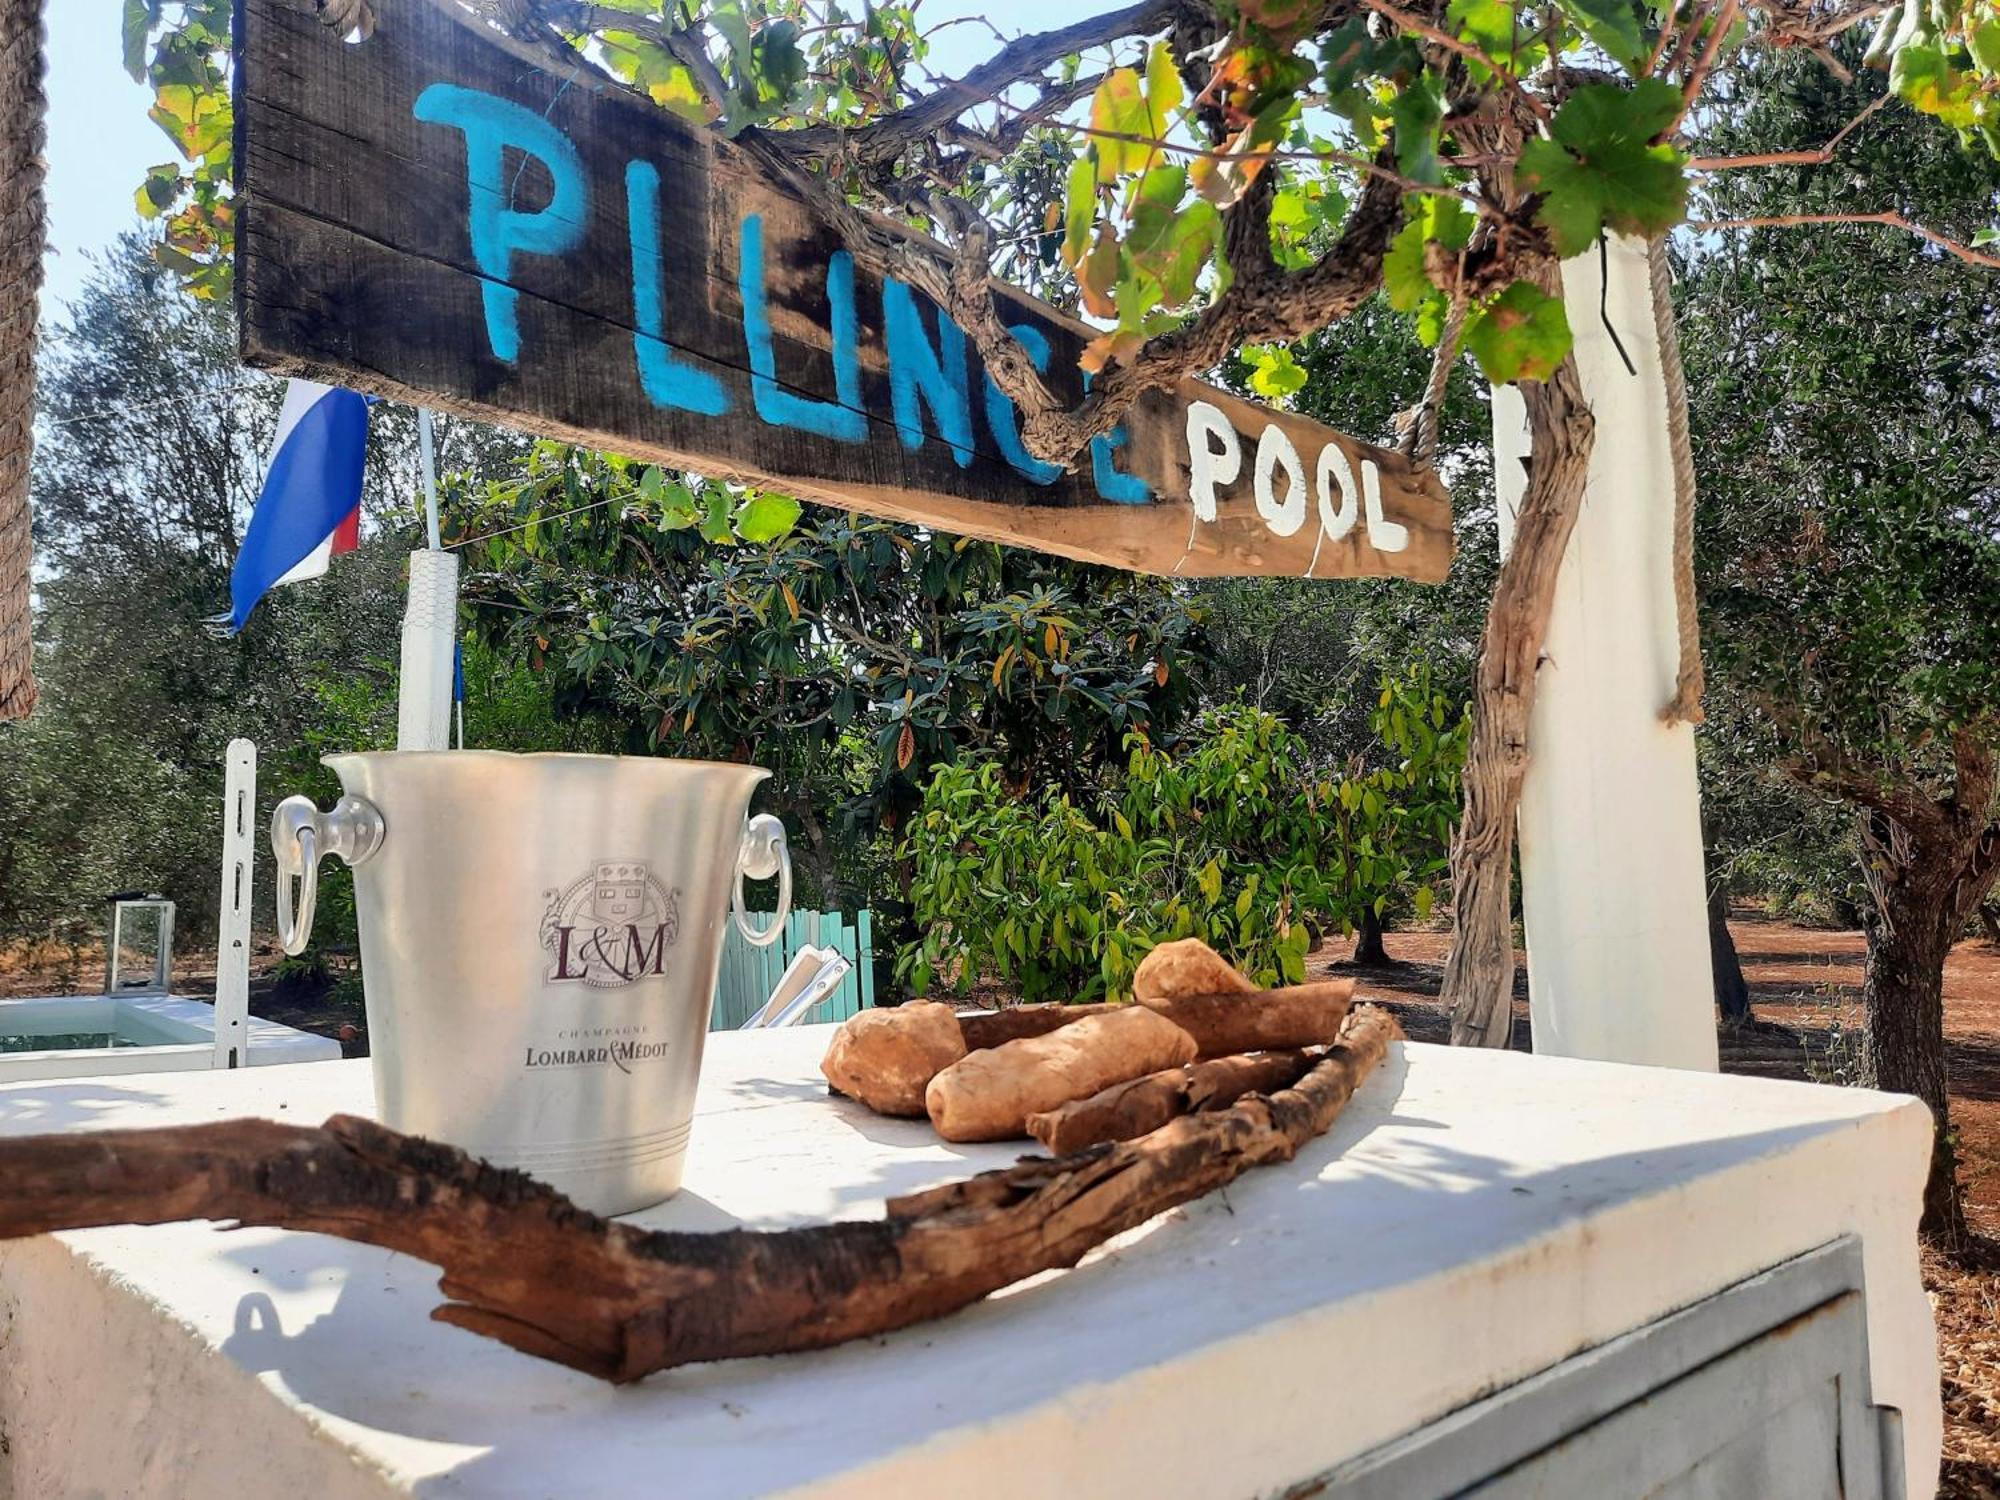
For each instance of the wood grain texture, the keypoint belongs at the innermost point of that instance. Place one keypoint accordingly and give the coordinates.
(524, 1265)
(357, 264)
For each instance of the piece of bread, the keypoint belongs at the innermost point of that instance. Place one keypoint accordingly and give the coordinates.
(887, 1056)
(988, 1095)
(1186, 967)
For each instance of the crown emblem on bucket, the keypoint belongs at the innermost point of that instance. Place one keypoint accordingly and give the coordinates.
(610, 928)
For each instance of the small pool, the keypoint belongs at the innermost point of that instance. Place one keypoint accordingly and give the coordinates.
(64, 1041)
(76, 1036)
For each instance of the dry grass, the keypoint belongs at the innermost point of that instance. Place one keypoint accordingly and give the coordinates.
(1965, 1295)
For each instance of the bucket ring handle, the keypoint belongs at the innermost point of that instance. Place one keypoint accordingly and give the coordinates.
(764, 853)
(300, 834)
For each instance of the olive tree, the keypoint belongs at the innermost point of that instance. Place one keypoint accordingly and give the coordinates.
(1850, 541)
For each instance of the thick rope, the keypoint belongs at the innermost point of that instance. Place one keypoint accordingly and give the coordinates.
(1423, 438)
(1685, 706)
(21, 230)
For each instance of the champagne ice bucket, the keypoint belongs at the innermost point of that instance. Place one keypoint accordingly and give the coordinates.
(540, 936)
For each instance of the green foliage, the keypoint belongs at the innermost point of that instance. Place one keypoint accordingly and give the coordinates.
(145, 468)
(1944, 60)
(1391, 825)
(1841, 392)
(847, 655)
(1599, 169)
(1228, 836)
(1061, 901)
(1522, 334)
(180, 49)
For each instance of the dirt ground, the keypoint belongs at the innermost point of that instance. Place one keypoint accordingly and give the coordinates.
(1805, 991)
(1805, 994)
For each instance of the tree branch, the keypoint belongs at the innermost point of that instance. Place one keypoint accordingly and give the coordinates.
(1839, 777)
(1889, 218)
(1725, 17)
(1416, 25)
(1025, 57)
(1818, 157)
(1275, 307)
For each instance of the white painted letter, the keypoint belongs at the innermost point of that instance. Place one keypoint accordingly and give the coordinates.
(1336, 474)
(1384, 536)
(1275, 449)
(1208, 464)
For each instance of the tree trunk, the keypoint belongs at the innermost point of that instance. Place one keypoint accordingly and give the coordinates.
(1368, 947)
(1732, 994)
(21, 232)
(1989, 918)
(1479, 974)
(1903, 998)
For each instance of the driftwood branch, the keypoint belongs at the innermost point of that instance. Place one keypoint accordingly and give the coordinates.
(524, 1265)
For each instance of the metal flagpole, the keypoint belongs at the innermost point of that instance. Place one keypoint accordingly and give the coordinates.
(430, 624)
(427, 444)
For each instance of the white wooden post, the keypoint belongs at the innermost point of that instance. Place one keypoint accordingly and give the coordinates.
(430, 624)
(232, 938)
(1610, 821)
(430, 630)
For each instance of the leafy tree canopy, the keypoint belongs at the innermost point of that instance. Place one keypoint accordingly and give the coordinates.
(1209, 176)
(846, 654)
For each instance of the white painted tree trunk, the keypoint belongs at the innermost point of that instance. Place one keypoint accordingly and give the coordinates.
(1610, 819)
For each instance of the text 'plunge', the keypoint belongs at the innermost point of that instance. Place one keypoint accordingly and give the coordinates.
(924, 374)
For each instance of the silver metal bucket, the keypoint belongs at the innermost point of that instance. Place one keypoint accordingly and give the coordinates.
(540, 936)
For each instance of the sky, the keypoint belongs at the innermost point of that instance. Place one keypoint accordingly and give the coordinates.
(101, 143)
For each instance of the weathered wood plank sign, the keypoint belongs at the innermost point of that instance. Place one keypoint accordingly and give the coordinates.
(437, 215)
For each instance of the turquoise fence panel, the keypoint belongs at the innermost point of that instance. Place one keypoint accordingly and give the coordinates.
(864, 943)
(748, 975)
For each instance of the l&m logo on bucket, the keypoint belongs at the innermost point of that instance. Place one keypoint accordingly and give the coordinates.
(611, 928)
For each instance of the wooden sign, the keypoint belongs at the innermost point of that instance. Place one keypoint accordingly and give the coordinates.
(439, 216)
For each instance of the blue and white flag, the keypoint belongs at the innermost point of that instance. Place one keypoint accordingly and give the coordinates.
(310, 508)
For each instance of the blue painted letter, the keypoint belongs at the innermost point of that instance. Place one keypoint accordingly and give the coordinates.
(936, 377)
(1119, 488)
(491, 124)
(667, 381)
(841, 418)
(1002, 417)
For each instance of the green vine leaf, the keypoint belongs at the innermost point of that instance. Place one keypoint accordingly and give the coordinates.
(1599, 169)
(1613, 25)
(767, 518)
(1274, 373)
(1523, 334)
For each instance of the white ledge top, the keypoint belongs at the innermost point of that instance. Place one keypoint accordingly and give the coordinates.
(1472, 1218)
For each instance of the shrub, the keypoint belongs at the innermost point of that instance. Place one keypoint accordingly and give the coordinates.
(1229, 837)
